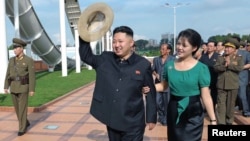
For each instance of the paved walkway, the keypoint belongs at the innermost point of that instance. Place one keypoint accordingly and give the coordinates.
(68, 119)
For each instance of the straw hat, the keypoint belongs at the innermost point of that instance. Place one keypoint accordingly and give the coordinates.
(95, 21)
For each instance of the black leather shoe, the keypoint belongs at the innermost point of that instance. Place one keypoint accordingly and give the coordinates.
(245, 115)
(20, 133)
(159, 119)
(28, 124)
(164, 123)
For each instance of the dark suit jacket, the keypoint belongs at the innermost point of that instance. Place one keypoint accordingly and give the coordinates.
(118, 100)
(210, 63)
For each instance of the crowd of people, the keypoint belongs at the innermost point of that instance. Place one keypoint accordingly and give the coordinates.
(225, 78)
(176, 88)
(226, 59)
(179, 89)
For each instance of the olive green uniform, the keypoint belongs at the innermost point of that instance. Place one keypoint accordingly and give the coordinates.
(227, 85)
(20, 78)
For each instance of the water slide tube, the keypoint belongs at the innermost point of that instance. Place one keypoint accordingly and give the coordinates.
(31, 30)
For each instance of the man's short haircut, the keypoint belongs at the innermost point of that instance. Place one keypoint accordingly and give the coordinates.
(124, 29)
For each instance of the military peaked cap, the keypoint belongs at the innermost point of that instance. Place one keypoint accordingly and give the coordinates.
(18, 42)
(231, 42)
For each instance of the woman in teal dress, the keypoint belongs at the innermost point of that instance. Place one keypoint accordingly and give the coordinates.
(188, 80)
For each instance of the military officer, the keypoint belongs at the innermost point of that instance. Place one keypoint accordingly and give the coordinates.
(228, 67)
(20, 80)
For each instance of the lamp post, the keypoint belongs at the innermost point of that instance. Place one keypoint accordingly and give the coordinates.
(174, 7)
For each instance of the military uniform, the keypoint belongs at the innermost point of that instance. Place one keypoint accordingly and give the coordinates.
(20, 79)
(227, 85)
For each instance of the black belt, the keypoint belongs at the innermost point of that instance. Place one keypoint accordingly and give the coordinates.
(18, 78)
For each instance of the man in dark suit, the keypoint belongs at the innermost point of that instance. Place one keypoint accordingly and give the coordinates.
(20, 78)
(118, 101)
(209, 58)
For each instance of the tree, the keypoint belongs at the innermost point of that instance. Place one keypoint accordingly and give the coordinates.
(246, 38)
(164, 41)
(141, 44)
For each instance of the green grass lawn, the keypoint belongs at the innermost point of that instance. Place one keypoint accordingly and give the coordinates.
(51, 85)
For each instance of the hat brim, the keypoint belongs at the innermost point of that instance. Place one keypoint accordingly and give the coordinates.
(17, 45)
(228, 44)
(95, 21)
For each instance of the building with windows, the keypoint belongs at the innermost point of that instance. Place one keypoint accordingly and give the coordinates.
(168, 36)
(152, 42)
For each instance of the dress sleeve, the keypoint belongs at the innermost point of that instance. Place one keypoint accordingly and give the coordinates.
(204, 76)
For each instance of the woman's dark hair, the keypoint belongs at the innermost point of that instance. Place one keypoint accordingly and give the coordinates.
(124, 29)
(193, 37)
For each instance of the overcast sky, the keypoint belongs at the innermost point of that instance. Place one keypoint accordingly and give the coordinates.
(150, 18)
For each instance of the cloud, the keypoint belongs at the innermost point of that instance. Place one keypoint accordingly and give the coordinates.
(57, 38)
(138, 37)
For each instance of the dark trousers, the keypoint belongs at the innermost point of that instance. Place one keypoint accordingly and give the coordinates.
(225, 106)
(133, 135)
(248, 96)
(20, 102)
(242, 97)
(214, 94)
(162, 99)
